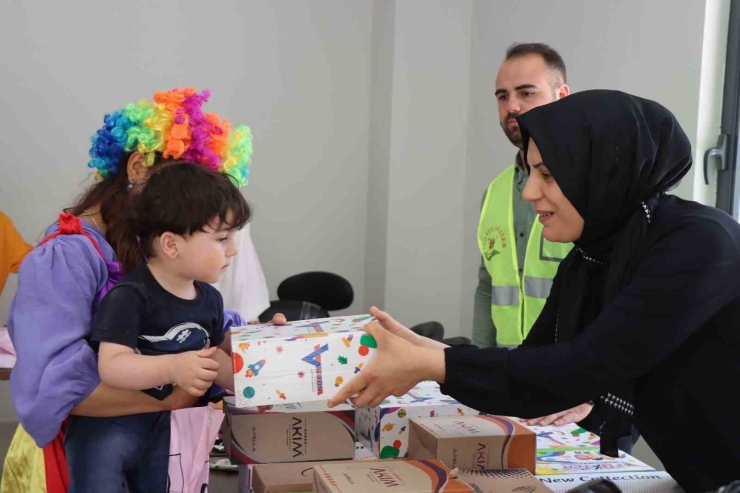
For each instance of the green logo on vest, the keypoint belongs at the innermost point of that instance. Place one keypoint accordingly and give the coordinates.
(493, 234)
(490, 252)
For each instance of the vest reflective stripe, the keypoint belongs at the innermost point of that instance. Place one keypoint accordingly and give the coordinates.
(537, 287)
(515, 303)
(505, 295)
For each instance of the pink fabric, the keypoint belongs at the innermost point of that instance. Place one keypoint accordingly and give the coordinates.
(194, 432)
(7, 352)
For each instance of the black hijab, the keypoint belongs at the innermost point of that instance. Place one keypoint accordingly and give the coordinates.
(613, 155)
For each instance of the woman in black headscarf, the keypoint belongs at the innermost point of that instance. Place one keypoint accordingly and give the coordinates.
(644, 314)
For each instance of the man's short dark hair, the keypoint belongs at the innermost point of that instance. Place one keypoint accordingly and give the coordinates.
(552, 58)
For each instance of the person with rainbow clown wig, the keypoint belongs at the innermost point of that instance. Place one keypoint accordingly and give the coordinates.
(81, 258)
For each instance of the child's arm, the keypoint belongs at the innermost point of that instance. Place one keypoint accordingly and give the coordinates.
(194, 371)
(226, 345)
(225, 376)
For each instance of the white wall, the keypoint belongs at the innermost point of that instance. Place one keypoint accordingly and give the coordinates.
(427, 161)
(375, 123)
(297, 72)
(379, 151)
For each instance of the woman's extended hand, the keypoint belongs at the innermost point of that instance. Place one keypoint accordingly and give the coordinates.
(397, 367)
(400, 330)
(573, 415)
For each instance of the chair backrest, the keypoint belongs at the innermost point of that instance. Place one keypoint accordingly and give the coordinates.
(328, 290)
(293, 310)
(457, 341)
(432, 330)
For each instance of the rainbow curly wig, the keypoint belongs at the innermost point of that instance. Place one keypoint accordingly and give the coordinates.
(172, 126)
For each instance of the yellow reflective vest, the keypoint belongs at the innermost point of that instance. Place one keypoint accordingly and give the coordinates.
(516, 302)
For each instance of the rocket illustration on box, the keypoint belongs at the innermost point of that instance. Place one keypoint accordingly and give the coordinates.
(254, 370)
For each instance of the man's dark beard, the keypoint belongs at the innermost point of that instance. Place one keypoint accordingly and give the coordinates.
(514, 135)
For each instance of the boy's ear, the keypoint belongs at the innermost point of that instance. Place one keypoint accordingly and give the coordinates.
(169, 244)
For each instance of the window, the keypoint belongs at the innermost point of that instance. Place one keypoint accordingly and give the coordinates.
(726, 152)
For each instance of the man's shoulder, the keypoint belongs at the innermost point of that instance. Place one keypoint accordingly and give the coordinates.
(488, 188)
(503, 174)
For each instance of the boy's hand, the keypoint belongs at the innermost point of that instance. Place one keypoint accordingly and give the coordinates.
(277, 319)
(195, 371)
(179, 399)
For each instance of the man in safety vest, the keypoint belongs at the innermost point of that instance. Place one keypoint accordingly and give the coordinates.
(517, 262)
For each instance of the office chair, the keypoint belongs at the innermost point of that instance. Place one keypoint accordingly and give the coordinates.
(310, 295)
(432, 330)
(436, 331)
(329, 291)
(293, 310)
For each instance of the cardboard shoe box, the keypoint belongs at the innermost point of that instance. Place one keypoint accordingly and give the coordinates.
(503, 481)
(429, 476)
(385, 429)
(279, 478)
(303, 361)
(473, 442)
(282, 435)
(289, 477)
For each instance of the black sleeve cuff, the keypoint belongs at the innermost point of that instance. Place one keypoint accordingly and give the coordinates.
(477, 377)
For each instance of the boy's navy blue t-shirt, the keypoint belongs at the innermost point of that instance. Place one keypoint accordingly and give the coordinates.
(139, 313)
